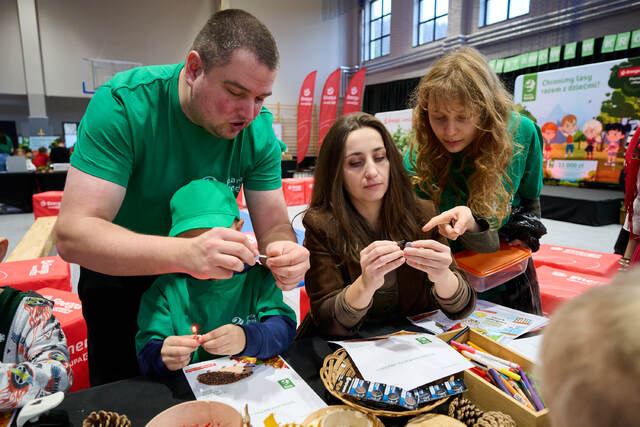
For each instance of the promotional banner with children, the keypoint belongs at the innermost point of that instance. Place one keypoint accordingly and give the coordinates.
(587, 115)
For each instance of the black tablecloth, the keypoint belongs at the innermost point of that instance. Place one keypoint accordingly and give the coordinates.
(18, 188)
(142, 398)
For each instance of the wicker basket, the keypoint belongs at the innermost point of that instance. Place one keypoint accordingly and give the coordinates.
(339, 363)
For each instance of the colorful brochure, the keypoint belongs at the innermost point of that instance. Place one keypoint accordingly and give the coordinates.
(501, 324)
(267, 387)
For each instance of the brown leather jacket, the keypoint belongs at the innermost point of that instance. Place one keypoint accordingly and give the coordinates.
(330, 274)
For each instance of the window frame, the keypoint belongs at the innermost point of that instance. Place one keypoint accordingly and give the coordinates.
(418, 23)
(367, 22)
(482, 15)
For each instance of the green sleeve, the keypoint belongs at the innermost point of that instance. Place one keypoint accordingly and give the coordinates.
(154, 315)
(6, 146)
(104, 145)
(407, 162)
(270, 302)
(266, 173)
(529, 139)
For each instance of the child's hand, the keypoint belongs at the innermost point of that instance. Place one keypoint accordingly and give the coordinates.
(176, 351)
(226, 340)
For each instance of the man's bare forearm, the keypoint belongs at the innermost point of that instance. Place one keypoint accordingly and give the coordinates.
(275, 234)
(107, 248)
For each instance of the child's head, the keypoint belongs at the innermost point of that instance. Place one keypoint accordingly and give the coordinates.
(591, 357)
(201, 205)
(549, 131)
(592, 128)
(615, 131)
(42, 150)
(568, 122)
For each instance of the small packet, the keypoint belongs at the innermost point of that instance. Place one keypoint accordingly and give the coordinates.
(376, 394)
(439, 390)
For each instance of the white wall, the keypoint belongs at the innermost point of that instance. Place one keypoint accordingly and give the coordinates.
(146, 31)
(11, 62)
(311, 35)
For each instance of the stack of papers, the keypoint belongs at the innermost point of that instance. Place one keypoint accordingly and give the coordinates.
(501, 324)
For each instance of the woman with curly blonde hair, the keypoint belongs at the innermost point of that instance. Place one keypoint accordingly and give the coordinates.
(477, 159)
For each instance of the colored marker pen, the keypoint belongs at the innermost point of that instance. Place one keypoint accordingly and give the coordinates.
(496, 359)
(491, 364)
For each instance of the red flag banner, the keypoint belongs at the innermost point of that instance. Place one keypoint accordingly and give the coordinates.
(328, 104)
(305, 112)
(353, 97)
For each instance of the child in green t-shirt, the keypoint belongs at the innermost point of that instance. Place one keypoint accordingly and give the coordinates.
(244, 315)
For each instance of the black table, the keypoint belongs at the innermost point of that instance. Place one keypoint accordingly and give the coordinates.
(142, 398)
(18, 188)
(51, 181)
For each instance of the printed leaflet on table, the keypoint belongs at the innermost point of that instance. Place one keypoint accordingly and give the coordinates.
(501, 324)
(406, 359)
(269, 386)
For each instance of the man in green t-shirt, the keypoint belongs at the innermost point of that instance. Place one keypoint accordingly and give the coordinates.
(146, 133)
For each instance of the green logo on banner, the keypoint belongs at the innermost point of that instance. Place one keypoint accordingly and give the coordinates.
(635, 39)
(543, 56)
(570, 50)
(554, 54)
(286, 383)
(529, 86)
(608, 43)
(622, 41)
(532, 59)
(587, 47)
(423, 340)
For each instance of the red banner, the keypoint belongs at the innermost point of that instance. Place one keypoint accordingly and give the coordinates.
(305, 111)
(353, 97)
(328, 104)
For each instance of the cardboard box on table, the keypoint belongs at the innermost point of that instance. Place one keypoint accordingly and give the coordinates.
(37, 273)
(488, 397)
(46, 203)
(68, 310)
(558, 286)
(293, 189)
(578, 260)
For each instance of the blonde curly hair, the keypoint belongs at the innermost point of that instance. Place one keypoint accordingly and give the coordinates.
(464, 76)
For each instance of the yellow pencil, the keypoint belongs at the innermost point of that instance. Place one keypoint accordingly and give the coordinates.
(477, 347)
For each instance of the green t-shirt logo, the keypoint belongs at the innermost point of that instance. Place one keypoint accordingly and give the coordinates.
(529, 85)
(423, 340)
(286, 383)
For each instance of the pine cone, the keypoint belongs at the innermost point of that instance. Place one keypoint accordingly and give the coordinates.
(465, 411)
(106, 419)
(495, 419)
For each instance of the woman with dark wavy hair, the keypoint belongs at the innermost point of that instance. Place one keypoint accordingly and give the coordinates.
(362, 212)
(478, 160)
